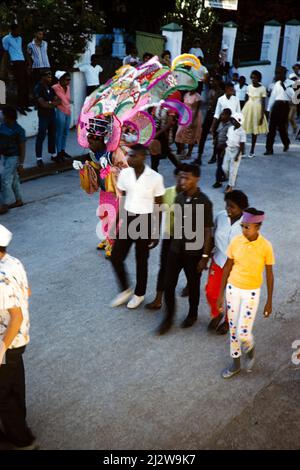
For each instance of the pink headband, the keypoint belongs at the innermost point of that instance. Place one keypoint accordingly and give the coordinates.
(252, 219)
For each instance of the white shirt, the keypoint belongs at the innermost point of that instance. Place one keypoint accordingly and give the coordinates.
(14, 292)
(235, 137)
(141, 192)
(129, 60)
(91, 73)
(279, 94)
(240, 93)
(223, 102)
(197, 52)
(224, 233)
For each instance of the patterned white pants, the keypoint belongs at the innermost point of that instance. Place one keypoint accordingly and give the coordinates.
(230, 166)
(242, 306)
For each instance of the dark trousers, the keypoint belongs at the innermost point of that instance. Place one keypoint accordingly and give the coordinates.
(165, 152)
(220, 151)
(20, 73)
(46, 125)
(208, 120)
(119, 253)
(12, 399)
(165, 248)
(176, 262)
(278, 120)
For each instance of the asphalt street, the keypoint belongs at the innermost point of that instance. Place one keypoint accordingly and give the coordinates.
(98, 378)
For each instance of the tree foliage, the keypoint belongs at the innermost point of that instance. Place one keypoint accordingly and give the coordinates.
(196, 21)
(68, 25)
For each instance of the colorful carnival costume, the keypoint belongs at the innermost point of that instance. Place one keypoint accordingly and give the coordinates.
(119, 112)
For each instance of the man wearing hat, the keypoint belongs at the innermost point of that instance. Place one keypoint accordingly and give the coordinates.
(47, 101)
(14, 336)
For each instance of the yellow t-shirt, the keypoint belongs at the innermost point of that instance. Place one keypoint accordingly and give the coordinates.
(250, 259)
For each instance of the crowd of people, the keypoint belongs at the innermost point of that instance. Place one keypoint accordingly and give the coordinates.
(229, 245)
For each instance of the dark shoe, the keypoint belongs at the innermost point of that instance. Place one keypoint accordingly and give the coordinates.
(27, 109)
(164, 327)
(197, 161)
(214, 323)
(18, 203)
(212, 160)
(3, 209)
(55, 159)
(189, 321)
(185, 291)
(269, 152)
(217, 185)
(286, 148)
(223, 329)
(153, 306)
(39, 163)
(66, 155)
(60, 157)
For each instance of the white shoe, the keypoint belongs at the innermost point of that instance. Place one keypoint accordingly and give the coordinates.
(121, 298)
(251, 155)
(135, 301)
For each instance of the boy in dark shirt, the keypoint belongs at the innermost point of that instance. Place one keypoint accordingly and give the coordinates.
(220, 145)
(12, 150)
(46, 103)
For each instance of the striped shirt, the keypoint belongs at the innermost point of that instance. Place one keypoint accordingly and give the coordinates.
(38, 54)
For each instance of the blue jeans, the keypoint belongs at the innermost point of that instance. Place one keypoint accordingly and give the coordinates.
(10, 181)
(62, 130)
(46, 124)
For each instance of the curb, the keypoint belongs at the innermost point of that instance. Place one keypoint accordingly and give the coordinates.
(50, 169)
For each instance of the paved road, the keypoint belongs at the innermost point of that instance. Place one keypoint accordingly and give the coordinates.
(98, 378)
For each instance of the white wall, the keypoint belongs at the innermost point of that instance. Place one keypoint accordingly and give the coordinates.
(267, 72)
(173, 42)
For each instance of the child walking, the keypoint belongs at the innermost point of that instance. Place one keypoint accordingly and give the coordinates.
(220, 145)
(248, 255)
(236, 139)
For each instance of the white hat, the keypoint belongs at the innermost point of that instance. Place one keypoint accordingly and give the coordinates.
(5, 236)
(238, 117)
(292, 76)
(59, 74)
(225, 47)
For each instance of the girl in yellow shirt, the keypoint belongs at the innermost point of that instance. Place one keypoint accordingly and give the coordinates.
(248, 255)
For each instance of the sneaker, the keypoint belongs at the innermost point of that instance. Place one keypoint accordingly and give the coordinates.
(251, 155)
(233, 369)
(121, 298)
(40, 163)
(135, 301)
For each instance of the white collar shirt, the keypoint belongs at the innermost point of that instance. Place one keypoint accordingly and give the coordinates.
(235, 137)
(233, 103)
(140, 192)
(14, 292)
(281, 94)
(224, 233)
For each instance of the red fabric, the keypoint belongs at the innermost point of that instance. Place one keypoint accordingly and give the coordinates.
(213, 287)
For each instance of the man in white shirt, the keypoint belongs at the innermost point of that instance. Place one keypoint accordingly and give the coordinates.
(143, 190)
(92, 74)
(196, 50)
(278, 107)
(14, 336)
